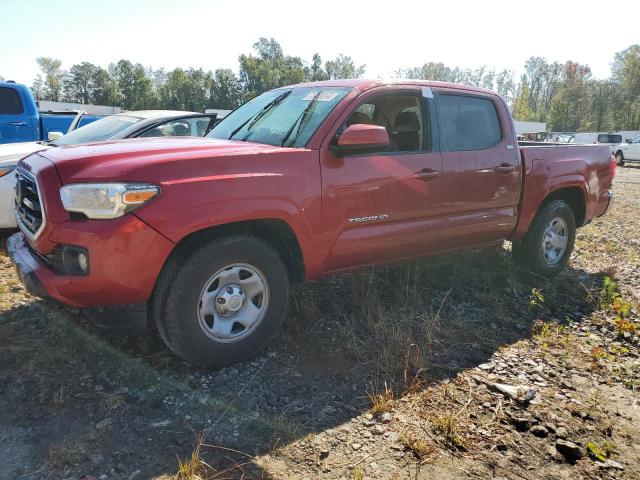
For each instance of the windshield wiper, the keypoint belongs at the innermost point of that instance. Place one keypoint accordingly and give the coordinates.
(300, 121)
(260, 114)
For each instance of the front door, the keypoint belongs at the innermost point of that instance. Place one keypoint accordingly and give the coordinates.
(384, 205)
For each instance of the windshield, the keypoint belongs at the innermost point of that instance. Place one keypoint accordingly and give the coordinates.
(102, 129)
(286, 116)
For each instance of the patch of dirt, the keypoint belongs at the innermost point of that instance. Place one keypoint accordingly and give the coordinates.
(453, 367)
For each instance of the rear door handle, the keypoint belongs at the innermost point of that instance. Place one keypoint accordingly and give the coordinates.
(426, 174)
(505, 168)
(18, 124)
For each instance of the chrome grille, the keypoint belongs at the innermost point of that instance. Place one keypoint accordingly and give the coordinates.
(29, 212)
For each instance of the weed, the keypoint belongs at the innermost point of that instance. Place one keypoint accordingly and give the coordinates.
(609, 292)
(602, 452)
(193, 467)
(357, 473)
(536, 299)
(552, 334)
(599, 353)
(448, 426)
(418, 446)
(624, 325)
(381, 402)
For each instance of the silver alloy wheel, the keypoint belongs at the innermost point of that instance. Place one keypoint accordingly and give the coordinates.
(554, 240)
(233, 302)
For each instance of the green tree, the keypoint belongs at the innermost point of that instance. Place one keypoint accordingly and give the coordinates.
(316, 72)
(569, 106)
(343, 67)
(226, 91)
(79, 83)
(37, 88)
(135, 89)
(186, 90)
(625, 72)
(521, 109)
(53, 76)
(269, 69)
(105, 90)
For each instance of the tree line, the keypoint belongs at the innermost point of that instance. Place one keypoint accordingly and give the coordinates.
(134, 87)
(564, 95)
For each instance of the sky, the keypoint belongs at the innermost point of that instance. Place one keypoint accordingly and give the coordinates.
(384, 35)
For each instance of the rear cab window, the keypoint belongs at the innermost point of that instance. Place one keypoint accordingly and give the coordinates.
(468, 122)
(10, 103)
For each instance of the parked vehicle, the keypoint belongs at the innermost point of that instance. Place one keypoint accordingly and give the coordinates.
(298, 183)
(143, 123)
(628, 152)
(613, 140)
(20, 120)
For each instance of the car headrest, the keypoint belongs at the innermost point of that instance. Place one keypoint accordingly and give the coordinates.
(359, 118)
(406, 122)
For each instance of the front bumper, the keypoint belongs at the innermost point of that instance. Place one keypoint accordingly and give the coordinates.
(125, 254)
(26, 265)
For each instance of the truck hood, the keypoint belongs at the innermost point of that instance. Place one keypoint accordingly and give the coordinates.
(10, 153)
(153, 159)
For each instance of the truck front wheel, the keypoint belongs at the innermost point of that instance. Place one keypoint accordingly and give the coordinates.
(223, 302)
(547, 246)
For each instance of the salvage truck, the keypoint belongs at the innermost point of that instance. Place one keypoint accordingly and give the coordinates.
(206, 235)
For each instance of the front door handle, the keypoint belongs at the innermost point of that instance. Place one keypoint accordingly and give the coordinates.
(505, 168)
(426, 174)
(18, 124)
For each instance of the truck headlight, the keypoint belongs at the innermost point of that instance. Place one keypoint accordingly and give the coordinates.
(106, 200)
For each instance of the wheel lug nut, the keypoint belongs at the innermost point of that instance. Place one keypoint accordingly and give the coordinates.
(229, 290)
(220, 301)
(240, 292)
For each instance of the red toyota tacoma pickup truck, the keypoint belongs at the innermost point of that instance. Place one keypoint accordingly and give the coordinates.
(300, 182)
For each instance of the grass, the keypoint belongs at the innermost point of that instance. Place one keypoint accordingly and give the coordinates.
(381, 402)
(420, 448)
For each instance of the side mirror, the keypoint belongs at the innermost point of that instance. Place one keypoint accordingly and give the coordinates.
(54, 136)
(360, 138)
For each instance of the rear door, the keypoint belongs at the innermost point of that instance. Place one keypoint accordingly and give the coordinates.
(481, 167)
(15, 124)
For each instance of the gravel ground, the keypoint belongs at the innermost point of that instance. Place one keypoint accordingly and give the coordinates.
(455, 367)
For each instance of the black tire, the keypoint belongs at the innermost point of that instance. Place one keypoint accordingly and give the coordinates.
(620, 159)
(177, 295)
(529, 253)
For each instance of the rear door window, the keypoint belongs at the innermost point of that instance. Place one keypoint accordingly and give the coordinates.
(10, 103)
(468, 123)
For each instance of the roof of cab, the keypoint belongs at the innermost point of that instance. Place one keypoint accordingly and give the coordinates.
(364, 84)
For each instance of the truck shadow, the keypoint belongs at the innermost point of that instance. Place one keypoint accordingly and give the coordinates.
(347, 338)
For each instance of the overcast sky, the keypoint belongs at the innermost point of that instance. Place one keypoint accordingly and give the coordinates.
(384, 35)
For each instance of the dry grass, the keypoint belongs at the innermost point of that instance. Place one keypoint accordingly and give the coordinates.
(420, 448)
(381, 402)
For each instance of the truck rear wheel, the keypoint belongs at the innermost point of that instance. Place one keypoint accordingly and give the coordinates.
(223, 302)
(547, 246)
(620, 159)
